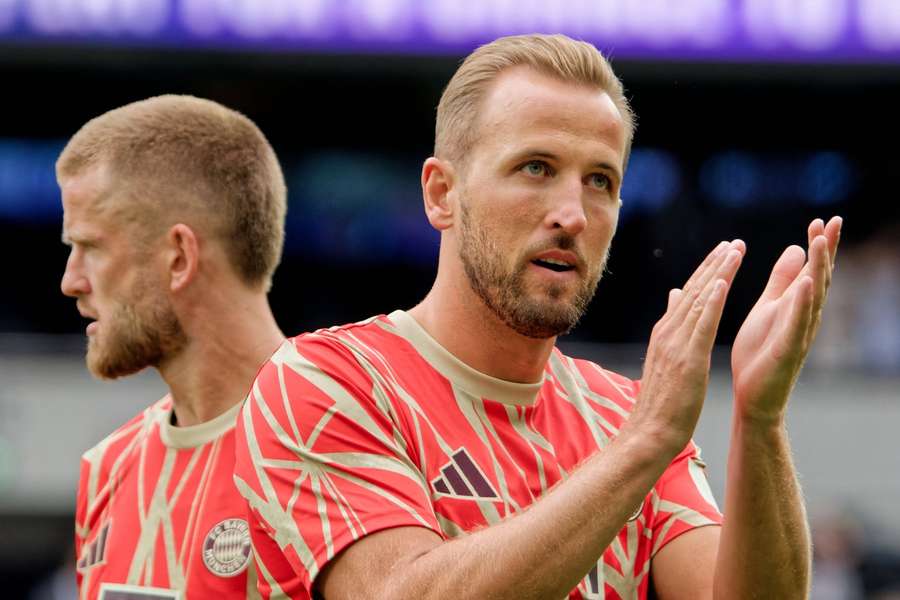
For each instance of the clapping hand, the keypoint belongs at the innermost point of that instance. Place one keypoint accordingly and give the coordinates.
(773, 342)
(676, 370)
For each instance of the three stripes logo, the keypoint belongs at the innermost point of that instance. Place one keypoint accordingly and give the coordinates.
(95, 552)
(461, 478)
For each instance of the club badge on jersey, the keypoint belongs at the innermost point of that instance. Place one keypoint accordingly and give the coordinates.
(226, 550)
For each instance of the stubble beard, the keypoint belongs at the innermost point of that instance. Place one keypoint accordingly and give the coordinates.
(503, 291)
(137, 335)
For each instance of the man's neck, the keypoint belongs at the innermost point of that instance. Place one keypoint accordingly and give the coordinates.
(215, 371)
(469, 330)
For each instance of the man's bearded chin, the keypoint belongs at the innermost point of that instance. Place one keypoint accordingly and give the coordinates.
(539, 316)
(134, 340)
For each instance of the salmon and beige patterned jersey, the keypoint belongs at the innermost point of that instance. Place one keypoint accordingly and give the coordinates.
(158, 515)
(355, 429)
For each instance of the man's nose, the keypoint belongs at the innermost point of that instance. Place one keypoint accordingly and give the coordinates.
(74, 283)
(567, 212)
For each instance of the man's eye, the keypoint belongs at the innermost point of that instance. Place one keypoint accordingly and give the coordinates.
(535, 168)
(599, 181)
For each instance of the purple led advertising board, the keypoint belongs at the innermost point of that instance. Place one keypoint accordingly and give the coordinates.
(708, 30)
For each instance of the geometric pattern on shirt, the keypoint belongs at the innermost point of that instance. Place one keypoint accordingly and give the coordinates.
(343, 412)
(186, 481)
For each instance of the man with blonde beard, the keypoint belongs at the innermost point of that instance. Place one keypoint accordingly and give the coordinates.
(451, 451)
(174, 211)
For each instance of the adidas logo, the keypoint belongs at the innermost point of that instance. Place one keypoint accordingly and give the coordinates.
(95, 552)
(461, 478)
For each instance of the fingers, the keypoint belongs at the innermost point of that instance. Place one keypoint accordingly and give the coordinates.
(786, 269)
(815, 229)
(796, 276)
(674, 295)
(831, 237)
(795, 338)
(723, 265)
(824, 239)
(833, 234)
(676, 370)
(740, 246)
(704, 333)
(819, 267)
(790, 266)
(701, 304)
(707, 263)
(831, 231)
(677, 296)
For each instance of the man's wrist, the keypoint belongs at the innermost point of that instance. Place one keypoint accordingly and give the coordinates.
(765, 415)
(650, 446)
(758, 426)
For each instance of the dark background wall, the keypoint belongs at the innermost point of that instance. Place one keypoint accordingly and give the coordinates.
(755, 151)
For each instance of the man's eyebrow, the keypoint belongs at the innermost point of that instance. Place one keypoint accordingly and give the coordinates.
(608, 167)
(69, 239)
(535, 153)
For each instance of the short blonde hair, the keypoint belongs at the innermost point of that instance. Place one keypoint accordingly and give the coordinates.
(185, 157)
(554, 55)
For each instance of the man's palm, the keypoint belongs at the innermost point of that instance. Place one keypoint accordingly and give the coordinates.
(772, 344)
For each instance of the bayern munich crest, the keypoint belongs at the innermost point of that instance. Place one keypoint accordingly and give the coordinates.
(226, 550)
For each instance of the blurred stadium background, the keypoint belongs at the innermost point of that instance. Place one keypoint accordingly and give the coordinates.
(754, 117)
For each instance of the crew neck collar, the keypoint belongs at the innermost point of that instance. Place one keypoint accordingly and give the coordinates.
(459, 373)
(196, 435)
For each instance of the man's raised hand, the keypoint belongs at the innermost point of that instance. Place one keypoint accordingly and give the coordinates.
(773, 342)
(676, 370)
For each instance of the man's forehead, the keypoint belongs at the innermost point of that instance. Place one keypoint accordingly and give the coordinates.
(522, 87)
(526, 104)
(523, 93)
(91, 180)
(85, 197)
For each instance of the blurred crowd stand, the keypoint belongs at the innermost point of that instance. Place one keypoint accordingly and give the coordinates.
(861, 322)
(851, 561)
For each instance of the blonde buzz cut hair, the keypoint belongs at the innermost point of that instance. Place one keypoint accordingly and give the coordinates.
(554, 55)
(185, 159)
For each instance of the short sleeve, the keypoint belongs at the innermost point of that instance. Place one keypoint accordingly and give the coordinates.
(321, 461)
(682, 499)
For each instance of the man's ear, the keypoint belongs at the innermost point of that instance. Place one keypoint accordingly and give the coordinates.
(183, 256)
(438, 192)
